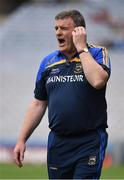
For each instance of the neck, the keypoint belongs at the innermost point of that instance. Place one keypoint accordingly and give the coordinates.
(70, 55)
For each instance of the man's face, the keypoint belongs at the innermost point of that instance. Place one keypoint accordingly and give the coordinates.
(64, 28)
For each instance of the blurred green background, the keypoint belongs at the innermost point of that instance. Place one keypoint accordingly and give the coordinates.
(10, 171)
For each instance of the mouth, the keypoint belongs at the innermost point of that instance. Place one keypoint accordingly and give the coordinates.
(61, 42)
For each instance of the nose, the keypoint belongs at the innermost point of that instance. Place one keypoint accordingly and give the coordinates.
(58, 32)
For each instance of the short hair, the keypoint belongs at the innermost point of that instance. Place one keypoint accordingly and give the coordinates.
(76, 16)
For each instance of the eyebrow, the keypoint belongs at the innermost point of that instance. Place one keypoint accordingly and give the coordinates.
(61, 27)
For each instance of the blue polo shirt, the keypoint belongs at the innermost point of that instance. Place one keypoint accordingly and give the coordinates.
(74, 106)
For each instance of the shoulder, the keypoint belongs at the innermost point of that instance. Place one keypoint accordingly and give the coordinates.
(100, 54)
(96, 49)
(49, 59)
(45, 62)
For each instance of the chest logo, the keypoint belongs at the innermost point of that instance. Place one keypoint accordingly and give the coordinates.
(78, 68)
(55, 71)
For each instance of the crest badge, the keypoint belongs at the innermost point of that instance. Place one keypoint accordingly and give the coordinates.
(92, 160)
(78, 68)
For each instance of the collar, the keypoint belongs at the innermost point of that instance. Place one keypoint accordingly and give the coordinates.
(59, 53)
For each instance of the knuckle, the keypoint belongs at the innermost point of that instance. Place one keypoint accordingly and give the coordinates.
(16, 151)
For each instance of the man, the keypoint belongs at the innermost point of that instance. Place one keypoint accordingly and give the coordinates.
(72, 82)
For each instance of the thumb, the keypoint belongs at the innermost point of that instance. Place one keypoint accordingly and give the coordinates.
(73, 33)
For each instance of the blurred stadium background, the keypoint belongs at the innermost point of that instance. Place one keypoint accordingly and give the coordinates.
(26, 36)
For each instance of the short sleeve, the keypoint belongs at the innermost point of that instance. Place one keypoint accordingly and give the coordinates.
(101, 56)
(40, 92)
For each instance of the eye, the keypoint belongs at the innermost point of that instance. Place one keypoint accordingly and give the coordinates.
(64, 28)
(56, 28)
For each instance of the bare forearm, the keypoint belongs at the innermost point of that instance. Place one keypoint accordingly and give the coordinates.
(33, 117)
(94, 73)
(32, 120)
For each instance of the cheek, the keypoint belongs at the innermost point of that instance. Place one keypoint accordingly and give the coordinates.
(70, 40)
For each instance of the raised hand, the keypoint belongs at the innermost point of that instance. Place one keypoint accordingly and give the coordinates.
(79, 38)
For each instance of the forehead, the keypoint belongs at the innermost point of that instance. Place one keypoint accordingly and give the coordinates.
(65, 22)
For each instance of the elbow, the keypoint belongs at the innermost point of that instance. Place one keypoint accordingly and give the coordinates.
(100, 81)
(99, 84)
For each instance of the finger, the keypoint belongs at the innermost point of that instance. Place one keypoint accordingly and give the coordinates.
(83, 29)
(73, 33)
(17, 159)
(22, 156)
(18, 163)
(80, 28)
(76, 30)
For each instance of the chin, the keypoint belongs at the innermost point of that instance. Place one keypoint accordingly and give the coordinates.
(62, 49)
